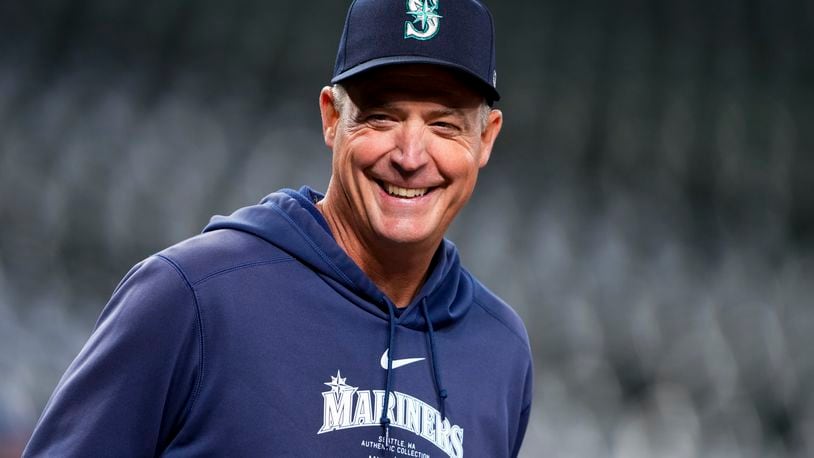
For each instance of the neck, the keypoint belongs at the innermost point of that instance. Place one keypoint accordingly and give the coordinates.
(398, 270)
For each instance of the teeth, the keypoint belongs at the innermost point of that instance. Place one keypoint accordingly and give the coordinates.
(405, 192)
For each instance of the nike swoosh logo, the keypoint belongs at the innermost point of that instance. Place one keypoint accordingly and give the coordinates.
(397, 362)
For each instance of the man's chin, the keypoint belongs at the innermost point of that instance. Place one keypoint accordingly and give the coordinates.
(407, 235)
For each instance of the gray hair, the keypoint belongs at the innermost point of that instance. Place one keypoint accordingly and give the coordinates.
(340, 95)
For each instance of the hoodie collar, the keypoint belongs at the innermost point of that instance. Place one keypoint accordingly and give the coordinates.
(290, 220)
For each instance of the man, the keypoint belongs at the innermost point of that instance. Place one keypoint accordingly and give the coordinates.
(335, 325)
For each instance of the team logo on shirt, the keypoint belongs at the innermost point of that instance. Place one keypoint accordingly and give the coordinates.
(347, 406)
(426, 19)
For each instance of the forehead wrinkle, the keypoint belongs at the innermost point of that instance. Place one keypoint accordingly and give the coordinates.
(382, 94)
(379, 104)
(447, 111)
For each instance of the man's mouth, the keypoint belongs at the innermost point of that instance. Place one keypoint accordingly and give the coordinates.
(405, 193)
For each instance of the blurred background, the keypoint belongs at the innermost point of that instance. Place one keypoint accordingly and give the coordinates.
(649, 208)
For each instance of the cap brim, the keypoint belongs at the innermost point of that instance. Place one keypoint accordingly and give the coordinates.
(488, 91)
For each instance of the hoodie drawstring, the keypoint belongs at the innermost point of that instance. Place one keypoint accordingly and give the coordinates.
(442, 393)
(436, 374)
(385, 421)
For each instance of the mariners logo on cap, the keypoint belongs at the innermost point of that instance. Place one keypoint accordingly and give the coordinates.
(425, 19)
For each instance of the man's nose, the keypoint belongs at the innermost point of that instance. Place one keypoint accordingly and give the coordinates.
(411, 149)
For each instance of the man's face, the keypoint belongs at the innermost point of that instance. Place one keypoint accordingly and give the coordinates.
(407, 147)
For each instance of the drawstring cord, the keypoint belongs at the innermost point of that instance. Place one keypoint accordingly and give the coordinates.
(436, 374)
(442, 393)
(385, 421)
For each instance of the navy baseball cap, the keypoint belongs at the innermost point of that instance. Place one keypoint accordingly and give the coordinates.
(458, 34)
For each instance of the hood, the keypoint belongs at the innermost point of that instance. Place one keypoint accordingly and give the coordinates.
(289, 220)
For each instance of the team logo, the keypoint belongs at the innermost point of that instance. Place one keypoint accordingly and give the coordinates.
(348, 407)
(425, 19)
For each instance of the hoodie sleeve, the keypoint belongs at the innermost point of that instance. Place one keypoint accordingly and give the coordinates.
(127, 391)
(523, 421)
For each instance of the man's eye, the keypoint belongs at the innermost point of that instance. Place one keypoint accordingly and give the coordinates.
(377, 118)
(446, 126)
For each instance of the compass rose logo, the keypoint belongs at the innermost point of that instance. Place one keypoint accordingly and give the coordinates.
(425, 19)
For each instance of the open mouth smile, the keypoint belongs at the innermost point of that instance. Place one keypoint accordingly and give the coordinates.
(404, 193)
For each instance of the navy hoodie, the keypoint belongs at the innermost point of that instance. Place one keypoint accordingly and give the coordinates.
(261, 337)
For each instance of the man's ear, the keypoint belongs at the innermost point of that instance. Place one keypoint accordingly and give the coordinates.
(330, 115)
(489, 135)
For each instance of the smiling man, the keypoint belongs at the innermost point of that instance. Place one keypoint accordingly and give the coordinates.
(340, 324)
(408, 141)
